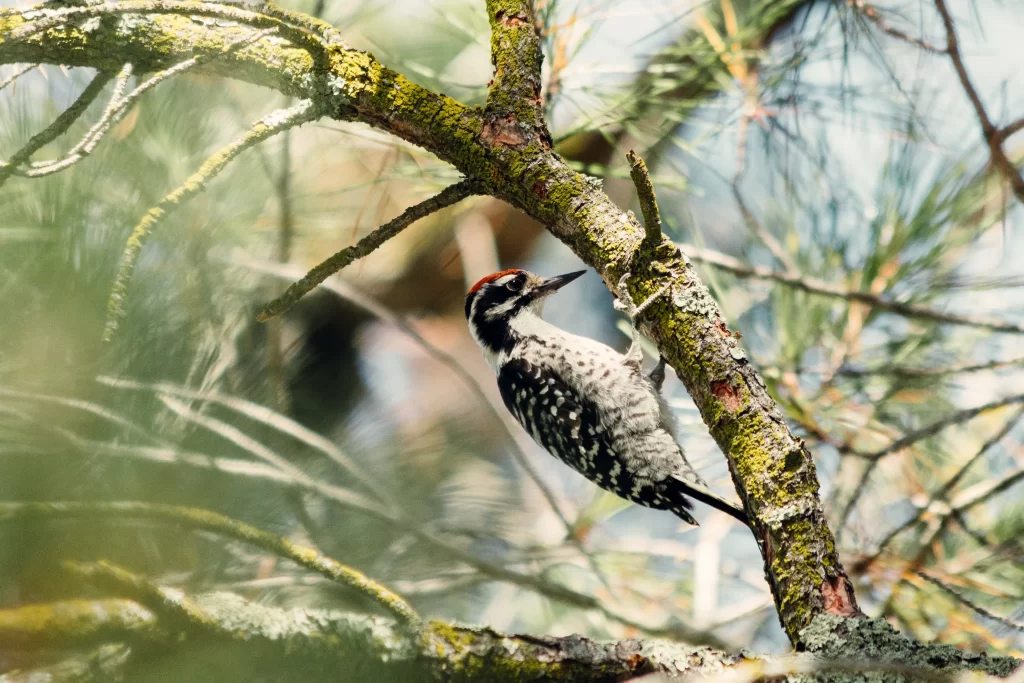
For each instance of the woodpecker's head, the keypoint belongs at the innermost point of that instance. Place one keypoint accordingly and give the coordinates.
(500, 304)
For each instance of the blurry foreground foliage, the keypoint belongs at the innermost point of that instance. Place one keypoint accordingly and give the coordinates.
(807, 139)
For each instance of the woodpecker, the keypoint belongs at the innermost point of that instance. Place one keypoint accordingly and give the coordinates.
(588, 405)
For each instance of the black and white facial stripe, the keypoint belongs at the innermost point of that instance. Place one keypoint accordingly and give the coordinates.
(491, 304)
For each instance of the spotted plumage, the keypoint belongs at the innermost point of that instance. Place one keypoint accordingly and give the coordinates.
(585, 403)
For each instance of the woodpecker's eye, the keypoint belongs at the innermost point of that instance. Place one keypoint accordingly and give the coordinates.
(516, 283)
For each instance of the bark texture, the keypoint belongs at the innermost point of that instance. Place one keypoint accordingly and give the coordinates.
(254, 642)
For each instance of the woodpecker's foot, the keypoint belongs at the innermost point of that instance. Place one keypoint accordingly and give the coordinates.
(657, 375)
(624, 303)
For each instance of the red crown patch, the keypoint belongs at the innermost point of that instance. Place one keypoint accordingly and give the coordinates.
(492, 277)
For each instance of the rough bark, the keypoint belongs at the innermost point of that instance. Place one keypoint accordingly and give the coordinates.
(772, 469)
(257, 642)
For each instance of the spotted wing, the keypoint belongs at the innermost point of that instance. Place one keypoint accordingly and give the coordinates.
(566, 424)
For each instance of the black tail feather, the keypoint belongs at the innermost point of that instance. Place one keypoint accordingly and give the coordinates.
(698, 492)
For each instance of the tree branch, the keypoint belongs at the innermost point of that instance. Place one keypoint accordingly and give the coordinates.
(989, 132)
(515, 110)
(450, 195)
(18, 73)
(937, 371)
(815, 286)
(963, 599)
(54, 18)
(59, 126)
(94, 134)
(76, 623)
(205, 520)
(982, 491)
(1012, 128)
(645, 195)
(121, 104)
(942, 493)
(264, 642)
(873, 15)
(173, 607)
(913, 437)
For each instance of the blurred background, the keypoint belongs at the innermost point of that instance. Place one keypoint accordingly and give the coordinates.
(828, 145)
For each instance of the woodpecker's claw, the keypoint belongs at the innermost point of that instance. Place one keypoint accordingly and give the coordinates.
(657, 374)
(624, 303)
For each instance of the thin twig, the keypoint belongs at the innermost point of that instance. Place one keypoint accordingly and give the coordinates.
(1012, 128)
(937, 371)
(214, 522)
(755, 226)
(59, 126)
(874, 16)
(960, 597)
(268, 126)
(448, 196)
(942, 492)
(912, 438)
(277, 421)
(815, 286)
(935, 427)
(645, 195)
(16, 75)
(121, 104)
(991, 134)
(300, 36)
(94, 134)
(171, 605)
(984, 490)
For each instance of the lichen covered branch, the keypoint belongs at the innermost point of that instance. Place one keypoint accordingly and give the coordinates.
(174, 608)
(515, 108)
(205, 520)
(59, 126)
(120, 104)
(645, 195)
(76, 623)
(261, 642)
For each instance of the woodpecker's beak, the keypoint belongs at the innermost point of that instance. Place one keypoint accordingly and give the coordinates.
(553, 284)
